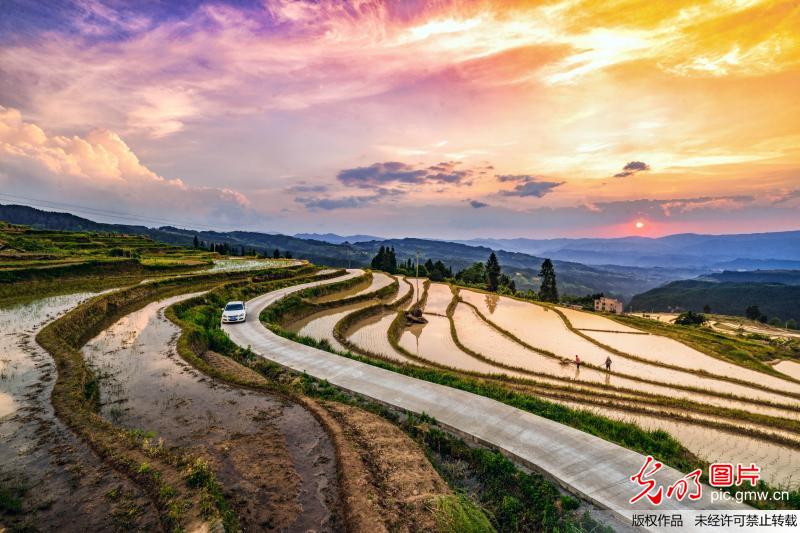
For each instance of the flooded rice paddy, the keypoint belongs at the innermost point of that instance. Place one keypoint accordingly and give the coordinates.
(542, 328)
(379, 281)
(270, 449)
(432, 342)
(584, 320)
(666, 350)
(62, 484)
(621, 393)
(240, 265)
(418, 287)
(371, 336)
(478, 336)
(320, 325)
(439, 297)
(404, 287)
(790, 368)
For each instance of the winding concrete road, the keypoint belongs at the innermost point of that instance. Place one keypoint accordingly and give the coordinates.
(590, 467)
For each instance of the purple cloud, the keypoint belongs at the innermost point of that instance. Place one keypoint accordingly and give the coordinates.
(394, 172)
(632, 168)
(532, 188)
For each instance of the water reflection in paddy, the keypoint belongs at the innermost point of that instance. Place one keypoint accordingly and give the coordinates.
(543, 328)
(439, 297)
(145, 385)
(418, 287)
(404, 287)
(320, 325)
(477, 335)
(371, 336)
(663, 349)
(66, 480)
(584, 320)
(432, 342)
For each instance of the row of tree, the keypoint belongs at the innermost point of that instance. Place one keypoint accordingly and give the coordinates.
(486, 275)
(225, 248)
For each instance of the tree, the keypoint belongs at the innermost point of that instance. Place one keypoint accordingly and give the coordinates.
(475, 274)
(379, 259)
(195, 243)
(690, 318)
(775, 321)
(276, 254)
(506, 285)
(492, 272)
(548, 291)
(439, 272)
(706, 309)
(288, 254)
(753, 312)
(791, 324)
(389, 261)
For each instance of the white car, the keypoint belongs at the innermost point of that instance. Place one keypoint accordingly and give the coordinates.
(234, 312)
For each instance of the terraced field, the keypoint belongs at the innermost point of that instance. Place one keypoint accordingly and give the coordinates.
(148, 430)
(717, 409)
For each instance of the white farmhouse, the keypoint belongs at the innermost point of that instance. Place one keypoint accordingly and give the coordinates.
(608, 305)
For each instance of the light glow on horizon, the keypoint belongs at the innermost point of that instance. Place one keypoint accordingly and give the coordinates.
(474, 118)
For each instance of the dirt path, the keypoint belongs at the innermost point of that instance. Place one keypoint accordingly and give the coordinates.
(273, 458)
(49, 479)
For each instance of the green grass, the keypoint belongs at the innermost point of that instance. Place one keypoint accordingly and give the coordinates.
(458, 514)
(38, 263)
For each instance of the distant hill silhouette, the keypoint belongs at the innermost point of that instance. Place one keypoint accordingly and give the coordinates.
(725, 297)
(573, 278)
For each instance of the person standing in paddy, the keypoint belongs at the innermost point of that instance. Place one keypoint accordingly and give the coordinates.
(608, 364)
(577, 361)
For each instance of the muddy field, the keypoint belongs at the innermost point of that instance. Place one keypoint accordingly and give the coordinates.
(273, 457)
(56, 481)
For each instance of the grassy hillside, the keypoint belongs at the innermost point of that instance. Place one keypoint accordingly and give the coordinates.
(573, 278)
(729, 298)
(39, 261)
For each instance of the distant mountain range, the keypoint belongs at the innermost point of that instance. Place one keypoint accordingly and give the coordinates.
(337, 239)
(779, 250)
(608, 265)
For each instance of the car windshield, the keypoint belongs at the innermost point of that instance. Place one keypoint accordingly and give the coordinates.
(234, 307)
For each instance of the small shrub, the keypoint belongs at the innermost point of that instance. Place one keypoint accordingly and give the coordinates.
(199, 474)
(690, 318)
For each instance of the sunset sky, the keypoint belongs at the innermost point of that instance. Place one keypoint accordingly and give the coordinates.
(432, 119)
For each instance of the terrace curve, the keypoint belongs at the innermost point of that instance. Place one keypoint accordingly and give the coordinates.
(593, 468)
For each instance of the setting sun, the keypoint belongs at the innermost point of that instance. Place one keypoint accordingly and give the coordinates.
(639, 224)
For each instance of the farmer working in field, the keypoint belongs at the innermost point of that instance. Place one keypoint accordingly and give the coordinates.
(608, 364)
(577, 361)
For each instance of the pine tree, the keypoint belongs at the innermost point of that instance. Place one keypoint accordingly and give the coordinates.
(379, 259)
(288, 254)
(276, 254)
(195, 243)
(389, 262)
(548, 292)
(492, 272)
